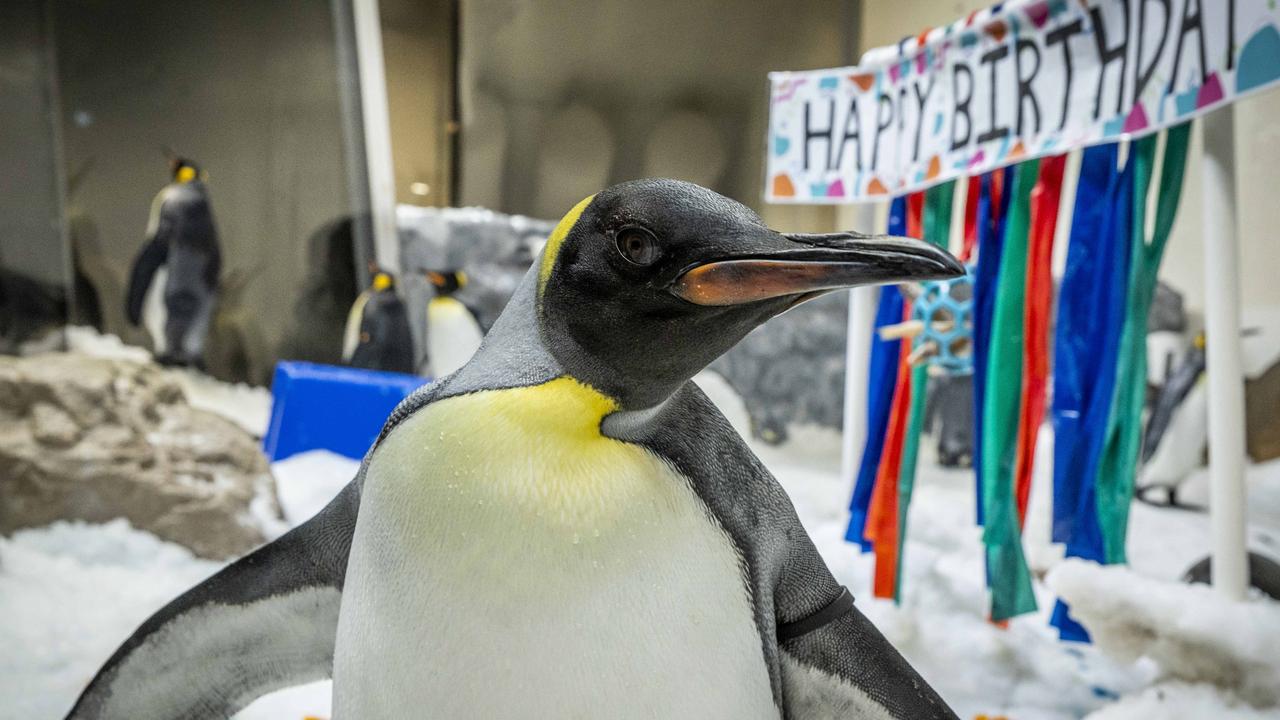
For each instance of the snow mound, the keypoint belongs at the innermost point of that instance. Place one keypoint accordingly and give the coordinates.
(306, 482)
(1181, 701)
(1192, 632)
(245, 405)
(71, 592)
(95, 344)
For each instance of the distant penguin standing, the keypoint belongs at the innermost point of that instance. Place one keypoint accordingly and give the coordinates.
(377, 335)
(453, 334)
(183, 260)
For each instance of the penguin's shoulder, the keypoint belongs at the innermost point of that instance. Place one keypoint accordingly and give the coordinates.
(691, 434)
(175, 194)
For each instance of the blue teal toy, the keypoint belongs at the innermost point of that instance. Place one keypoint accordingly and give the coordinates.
(945, 307)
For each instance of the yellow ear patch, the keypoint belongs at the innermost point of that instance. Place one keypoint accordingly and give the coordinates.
(381, 281)
(556, 240)
(186, 174)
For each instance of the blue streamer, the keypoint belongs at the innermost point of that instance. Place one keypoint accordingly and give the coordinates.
(1091, 314)
(882, 380)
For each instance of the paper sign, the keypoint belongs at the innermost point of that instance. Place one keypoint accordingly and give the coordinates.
(1020, 80)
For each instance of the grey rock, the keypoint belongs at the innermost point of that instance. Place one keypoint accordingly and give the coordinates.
(493, 249)
(791, 369)
(95, 439)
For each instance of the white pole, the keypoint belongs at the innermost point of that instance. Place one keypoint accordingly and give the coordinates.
(1226, 377)
(862, 314)
(377, 133)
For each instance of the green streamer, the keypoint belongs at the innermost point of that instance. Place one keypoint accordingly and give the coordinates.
(1119, 462)
(1011, 592)
(937, 230)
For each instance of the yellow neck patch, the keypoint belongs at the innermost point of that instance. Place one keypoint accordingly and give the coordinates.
(530, 448)
(186, 174)
(563, 407)
(556, 240)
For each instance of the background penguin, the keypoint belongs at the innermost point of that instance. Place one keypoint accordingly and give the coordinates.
(453, 333)
(566, 527)
(182, 240)
(377, 335)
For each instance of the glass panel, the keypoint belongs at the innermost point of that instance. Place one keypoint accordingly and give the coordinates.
(249, 91)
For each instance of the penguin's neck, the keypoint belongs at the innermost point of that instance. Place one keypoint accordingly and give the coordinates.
(515, 353)
(564, 408)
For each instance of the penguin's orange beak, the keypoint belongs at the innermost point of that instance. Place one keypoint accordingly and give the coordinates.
(806, 266)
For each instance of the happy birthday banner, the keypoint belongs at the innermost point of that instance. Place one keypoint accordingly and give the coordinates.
(1020, 80)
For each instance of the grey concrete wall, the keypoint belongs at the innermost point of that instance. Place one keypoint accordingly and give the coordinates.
(563, 97)
(31, 242)
(248, 89)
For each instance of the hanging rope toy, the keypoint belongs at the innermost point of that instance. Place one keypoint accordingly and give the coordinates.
(941, 323)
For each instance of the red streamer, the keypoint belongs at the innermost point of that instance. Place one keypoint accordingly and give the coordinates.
(1045, 201)
(882, 516)
(971, 220)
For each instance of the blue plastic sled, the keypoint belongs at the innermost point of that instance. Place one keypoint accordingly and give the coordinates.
(340, 409)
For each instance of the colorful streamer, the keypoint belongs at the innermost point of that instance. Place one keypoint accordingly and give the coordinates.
(1091, 311)
(1091, 301)
(973, 195)
(882, 519)
(1045, 199)
(1119, 461)
(1099, 362)
(1011, 592)
(993, 206)
(882, 515)
(882, 378)
(936, 230)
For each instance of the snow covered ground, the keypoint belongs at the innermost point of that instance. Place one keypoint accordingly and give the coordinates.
(71, 592)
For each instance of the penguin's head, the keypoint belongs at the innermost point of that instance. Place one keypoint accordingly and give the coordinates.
(382, 281)
(642, 285)
(184, 170)
(446, 282)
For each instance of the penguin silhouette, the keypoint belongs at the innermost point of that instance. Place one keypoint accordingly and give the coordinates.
(377, 336)
(183, 259)
(453, 331)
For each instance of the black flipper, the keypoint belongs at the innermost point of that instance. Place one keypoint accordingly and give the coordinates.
(266, 622)
(153, 255)
(825, 658)
(835, 669)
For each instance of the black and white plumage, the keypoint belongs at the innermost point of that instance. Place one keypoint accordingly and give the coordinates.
(566, 526)
(181, 239)
(377, 336)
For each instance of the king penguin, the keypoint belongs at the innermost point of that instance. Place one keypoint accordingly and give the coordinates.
(377, 335)
(565, 527)
(453, 333)
(182, 256)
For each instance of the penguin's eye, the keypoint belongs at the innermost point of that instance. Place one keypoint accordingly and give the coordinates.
(637, 245)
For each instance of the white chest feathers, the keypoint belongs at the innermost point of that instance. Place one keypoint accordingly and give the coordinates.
(511, 562)
(453, 335)
(154, 313)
